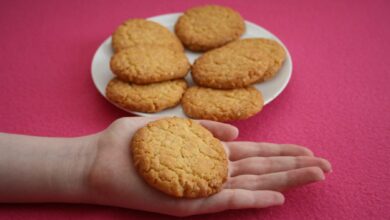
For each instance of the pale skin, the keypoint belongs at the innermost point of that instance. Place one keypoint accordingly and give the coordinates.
(97, 169)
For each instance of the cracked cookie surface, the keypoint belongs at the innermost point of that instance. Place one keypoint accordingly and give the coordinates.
(148, 64)
(135, 32)
(222, 105)
(153, 97)
(272, 48)
(180, 158)
(231, 66)
(208, 27)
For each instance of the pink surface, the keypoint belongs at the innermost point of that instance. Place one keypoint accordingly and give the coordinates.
(337, 102)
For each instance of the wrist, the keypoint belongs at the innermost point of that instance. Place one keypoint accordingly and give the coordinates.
(38, 169)
(71, 175)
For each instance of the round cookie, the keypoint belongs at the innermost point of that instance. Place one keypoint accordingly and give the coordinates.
(143, 32)
(231, 66)
(146, 98)
(208, 27)
(180, 158)
(148, 64)
(222, 105)
(272, 48)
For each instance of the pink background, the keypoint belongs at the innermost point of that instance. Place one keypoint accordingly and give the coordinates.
(337, 102)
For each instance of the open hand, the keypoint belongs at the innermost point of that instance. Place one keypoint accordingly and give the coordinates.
(257, 173)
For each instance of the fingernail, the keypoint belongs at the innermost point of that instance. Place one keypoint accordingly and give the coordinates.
(281, 199)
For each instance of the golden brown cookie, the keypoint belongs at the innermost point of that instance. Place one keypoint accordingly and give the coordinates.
(222, 105)
(148, 64)
(143, 32)
(272, 48)
(208, 27)
(180, 158)
(146, 98)
(230, 66)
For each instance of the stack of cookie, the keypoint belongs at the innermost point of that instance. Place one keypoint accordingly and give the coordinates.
(149, 62)
(150, 65)
(225, 74)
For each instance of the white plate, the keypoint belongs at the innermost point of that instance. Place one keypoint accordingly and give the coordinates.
(101, 73)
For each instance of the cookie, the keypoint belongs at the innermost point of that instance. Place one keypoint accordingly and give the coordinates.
(180, 158)
(208, 27)
(146, 98)
(272, 48)
(143, 32)
(222, 105)
(231, 66)
(148, 64)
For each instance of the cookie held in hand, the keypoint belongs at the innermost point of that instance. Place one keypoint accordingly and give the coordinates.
(180, 158)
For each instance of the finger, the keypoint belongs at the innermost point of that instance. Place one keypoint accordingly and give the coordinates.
(240, 150)
(277, 181)
(222, 131)
(264, 165)
(234, 199)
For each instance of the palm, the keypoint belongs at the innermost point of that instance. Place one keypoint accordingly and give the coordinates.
(257, 171)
